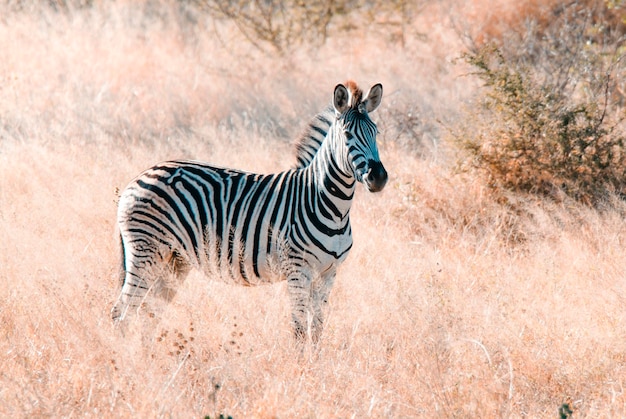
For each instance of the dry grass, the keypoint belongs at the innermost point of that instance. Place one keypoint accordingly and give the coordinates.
(450, 305)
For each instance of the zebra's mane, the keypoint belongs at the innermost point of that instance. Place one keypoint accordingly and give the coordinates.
(312, 137)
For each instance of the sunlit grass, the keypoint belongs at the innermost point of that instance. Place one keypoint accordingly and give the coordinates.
(450, 304)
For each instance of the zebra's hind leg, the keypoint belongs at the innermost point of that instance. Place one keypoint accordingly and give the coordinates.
(142, 264)
(133, 292)
(157, 269)
(178, 269)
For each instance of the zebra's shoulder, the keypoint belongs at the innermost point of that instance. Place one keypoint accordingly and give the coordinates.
(311, 138)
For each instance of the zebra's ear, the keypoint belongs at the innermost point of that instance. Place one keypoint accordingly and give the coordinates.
(374, 97)
(341, 99)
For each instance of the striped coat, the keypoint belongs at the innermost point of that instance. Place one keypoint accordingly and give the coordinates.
(255, 228)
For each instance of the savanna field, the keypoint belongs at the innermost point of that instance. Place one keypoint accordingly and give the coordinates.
(478, 286)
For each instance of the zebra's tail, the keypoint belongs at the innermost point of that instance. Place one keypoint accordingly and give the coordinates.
(116, 312)
(121, 262)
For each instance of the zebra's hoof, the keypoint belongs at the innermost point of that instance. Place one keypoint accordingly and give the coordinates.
(116, 314)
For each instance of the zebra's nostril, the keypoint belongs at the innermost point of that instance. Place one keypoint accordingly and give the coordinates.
(376, 176)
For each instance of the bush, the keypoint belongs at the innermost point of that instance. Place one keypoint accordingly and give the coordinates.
(285, 24)
(277, 23)
(553, 111)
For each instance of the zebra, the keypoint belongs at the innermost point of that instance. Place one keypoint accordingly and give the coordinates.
(252, 228)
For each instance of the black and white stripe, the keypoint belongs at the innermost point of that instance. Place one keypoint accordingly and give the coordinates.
(253, 228)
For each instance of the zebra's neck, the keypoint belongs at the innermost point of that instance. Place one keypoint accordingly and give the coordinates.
(333, 178)
(313, 136)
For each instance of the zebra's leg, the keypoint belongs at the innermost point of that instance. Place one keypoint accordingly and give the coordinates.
(178, 269)
(320, 290)
(142, 264)
(299, 287)
(132, 295)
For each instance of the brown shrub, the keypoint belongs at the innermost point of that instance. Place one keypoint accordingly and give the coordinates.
(552, 109)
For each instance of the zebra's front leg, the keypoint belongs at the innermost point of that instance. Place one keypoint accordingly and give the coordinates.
(299, 287)
(320, 290)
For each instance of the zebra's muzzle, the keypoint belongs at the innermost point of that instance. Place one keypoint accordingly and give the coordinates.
(376, 177)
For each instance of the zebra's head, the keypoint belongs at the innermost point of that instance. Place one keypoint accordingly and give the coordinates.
(359, 133)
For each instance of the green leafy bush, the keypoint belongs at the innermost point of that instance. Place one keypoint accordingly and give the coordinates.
(552, 113)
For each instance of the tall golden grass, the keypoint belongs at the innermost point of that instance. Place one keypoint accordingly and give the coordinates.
(451, 304)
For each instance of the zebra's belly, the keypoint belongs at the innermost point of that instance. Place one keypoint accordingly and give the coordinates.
(241, 265)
